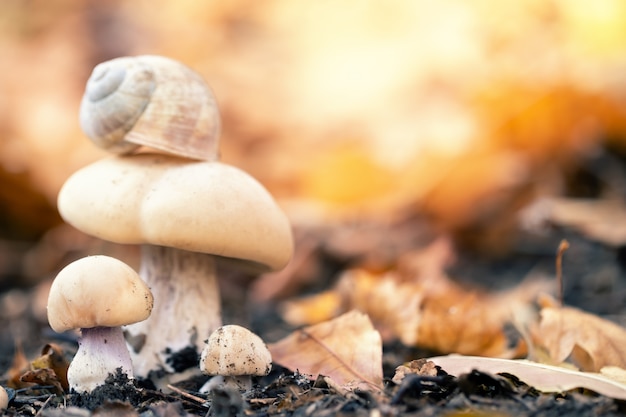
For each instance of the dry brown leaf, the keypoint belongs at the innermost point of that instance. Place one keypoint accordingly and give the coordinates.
(417, 367)
(19, 365)
(347, 349)
(50, 368)
(466, 323)
(543, 377)
(419, 305)
(52, 357)
(455, 320)
(391, 306)
(43, 376)
(588, 340)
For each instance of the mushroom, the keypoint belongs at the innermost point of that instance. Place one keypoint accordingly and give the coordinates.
(235, 354)
(186, 215)
(97, 295)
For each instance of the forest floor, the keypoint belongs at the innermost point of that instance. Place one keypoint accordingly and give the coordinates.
(287, 393)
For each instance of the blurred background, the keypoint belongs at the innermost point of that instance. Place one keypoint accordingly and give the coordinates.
(462, 113)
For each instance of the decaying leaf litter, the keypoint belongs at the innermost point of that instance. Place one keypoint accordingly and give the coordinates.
(451, 270)
(306, 387)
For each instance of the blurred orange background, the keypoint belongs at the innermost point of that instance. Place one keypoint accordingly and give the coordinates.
(358, 109)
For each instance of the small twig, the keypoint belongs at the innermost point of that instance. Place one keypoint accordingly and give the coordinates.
(44, 406)
(563, 246)
(185, 394)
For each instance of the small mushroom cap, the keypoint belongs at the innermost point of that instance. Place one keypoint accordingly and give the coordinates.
(198, 206)
(97, 291)
(233, 350)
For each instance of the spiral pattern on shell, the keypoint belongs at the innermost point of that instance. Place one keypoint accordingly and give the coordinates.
(150, 101)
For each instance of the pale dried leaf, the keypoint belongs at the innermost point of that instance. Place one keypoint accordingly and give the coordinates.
(588, 340)
(601, 220)
(614, 373)
(417, 367)
(543, 377)
(420, 306)
(347, 349)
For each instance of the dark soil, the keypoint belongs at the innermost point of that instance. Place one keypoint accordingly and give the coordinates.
(284, 393)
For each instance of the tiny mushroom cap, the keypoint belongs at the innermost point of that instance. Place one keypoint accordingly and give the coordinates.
(97, 291)
(233, 350)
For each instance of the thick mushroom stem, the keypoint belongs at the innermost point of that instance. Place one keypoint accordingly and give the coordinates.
(186, 310)
(101, 351)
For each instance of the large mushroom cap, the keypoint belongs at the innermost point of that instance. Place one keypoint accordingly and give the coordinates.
(97, 291)
(233, 350)
(157, 199)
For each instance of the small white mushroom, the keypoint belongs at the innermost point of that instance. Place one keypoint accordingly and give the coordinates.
(234, 353)
(98, 294)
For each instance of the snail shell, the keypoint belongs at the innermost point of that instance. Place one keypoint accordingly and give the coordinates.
(150, 101)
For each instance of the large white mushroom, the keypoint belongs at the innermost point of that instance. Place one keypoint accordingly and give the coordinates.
(185, 214)
(97, 295)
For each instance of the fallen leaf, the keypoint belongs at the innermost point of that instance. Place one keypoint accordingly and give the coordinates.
(615, 373)
(419, 305)
(600, 220)
(589, 341)
(417, 367)
(473, 322)
(543, 377)
(313, 309)
(392, 306)
(52, 357)
(19, 365)
(347, 349)
(44, 376)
